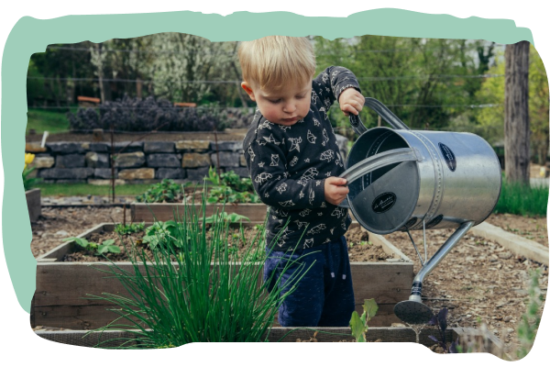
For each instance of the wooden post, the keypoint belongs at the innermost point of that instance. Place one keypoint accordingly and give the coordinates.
(516, 116)
(97, 135)
(112, 161)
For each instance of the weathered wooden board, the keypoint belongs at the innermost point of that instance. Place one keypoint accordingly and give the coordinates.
(517, 244)
(33, 204)
(148, 212)
(113, 338)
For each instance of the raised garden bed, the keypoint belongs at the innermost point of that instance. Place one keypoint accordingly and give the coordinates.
(33, 204)
(61, 286)
(148, 212)
(277, 334)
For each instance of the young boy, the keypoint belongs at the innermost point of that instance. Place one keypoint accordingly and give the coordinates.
(294, 163)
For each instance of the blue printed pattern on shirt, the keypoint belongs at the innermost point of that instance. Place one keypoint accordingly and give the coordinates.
(288, 166)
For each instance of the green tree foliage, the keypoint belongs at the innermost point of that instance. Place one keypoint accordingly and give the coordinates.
(127, 59)
(426, 82)
(184, 61)
(491, 120)
(50, 74)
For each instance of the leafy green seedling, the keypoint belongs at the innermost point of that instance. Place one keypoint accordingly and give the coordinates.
(103, 248)
(223, 216)
(122, 229)
(107, 247)
(82, 242)
(359, 325)
(161, 232)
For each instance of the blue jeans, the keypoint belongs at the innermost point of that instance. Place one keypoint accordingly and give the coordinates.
(324, 296)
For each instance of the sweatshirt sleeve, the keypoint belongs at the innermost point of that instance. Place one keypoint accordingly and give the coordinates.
(266, 160)
(330, 83)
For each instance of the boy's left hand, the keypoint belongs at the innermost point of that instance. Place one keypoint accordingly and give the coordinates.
(351, 101)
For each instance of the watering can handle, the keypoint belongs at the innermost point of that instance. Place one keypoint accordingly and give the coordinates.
(383, 111)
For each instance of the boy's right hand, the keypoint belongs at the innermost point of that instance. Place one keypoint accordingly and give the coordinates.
(335, 190)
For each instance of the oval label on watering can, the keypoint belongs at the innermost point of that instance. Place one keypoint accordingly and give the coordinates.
(449, 156)
(383, 202)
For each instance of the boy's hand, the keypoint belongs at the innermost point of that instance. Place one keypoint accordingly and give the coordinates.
(351, 101)
(335, 190)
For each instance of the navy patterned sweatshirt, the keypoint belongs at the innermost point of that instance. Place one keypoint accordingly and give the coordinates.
(288, 166)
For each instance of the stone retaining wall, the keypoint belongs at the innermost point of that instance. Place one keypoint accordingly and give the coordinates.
(140, 162)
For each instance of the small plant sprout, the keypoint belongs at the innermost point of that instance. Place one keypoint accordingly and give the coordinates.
(160, 232)
(107, 247)
(122, 229)
(440, 320)
(223, 216)
(104, 248)
(359, 325)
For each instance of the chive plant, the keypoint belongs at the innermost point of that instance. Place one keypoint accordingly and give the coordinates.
(193, 290)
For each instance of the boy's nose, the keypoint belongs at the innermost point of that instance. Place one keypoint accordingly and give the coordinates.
(289, 107)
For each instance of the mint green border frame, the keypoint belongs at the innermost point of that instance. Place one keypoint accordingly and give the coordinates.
(31, 35)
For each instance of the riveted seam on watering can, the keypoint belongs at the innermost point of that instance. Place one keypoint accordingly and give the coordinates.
(438, 173)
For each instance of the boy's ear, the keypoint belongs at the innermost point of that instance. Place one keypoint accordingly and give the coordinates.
(248, 89)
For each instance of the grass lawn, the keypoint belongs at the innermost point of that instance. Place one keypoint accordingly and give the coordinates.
(85, 190)
(522, 199)
(46, 120)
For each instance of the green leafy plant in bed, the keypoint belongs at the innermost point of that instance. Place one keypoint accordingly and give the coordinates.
(198, 292)
(230, 188)
(96, 249)
(124, 229)
(359, 324)
(166, 191)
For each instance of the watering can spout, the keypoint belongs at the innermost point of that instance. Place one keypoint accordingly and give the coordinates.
(413, 311)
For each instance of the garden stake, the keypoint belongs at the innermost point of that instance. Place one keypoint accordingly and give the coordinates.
(112, 165)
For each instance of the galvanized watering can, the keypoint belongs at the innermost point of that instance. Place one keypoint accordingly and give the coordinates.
(402, 180)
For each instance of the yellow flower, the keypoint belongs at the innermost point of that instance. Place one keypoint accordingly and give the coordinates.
(29, 157)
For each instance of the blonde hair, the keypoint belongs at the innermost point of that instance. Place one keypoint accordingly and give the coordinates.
(276, 61)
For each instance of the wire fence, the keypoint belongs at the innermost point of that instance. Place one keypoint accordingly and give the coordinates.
(238, 82)
(234, 54)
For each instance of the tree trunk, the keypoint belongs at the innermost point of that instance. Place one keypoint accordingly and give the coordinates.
(516, 117)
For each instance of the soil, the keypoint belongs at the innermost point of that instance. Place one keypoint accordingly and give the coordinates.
(534, 228)
(479, 281)
(361, 249)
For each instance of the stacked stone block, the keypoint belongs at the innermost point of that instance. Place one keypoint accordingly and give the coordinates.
(139, 162)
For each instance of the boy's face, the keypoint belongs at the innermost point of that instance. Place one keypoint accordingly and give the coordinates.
(283, 107)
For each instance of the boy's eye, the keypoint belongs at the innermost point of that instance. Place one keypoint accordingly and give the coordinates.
(274, 101)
